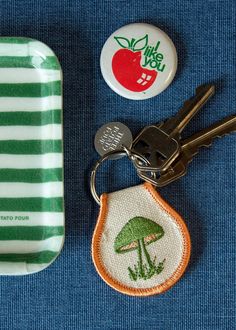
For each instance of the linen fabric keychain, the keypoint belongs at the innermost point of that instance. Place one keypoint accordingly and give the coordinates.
(141, 245)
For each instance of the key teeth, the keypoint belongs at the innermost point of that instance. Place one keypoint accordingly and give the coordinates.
(219, 137)
(205, 86)
(207, 144)
(186, 160)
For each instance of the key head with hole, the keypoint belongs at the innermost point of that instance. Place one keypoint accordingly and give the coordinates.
(160, 143)
(157, 147)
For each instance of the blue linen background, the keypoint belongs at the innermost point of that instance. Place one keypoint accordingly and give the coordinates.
(69, 294)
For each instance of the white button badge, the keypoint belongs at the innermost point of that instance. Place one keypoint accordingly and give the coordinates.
(138, 61)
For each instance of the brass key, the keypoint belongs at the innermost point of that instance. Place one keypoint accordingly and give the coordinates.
(160, 143)
(190, 147)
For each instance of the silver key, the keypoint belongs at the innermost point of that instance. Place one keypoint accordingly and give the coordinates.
(160, 143)
(190, 147)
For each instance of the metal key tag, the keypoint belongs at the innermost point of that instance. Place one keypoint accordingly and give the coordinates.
(141, 245)
(112, 136)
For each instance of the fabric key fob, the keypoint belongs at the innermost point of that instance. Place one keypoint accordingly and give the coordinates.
(140, 245)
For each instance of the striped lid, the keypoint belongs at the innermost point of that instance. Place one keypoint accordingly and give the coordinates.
(31, 156)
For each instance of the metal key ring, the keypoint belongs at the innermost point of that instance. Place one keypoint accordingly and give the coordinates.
(124, 152)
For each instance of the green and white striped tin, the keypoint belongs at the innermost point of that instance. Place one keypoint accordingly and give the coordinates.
(31, 156)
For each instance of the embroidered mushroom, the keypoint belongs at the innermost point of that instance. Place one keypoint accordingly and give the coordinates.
(136, 234)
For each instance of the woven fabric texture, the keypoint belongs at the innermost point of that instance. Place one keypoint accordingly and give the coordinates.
(69, 294)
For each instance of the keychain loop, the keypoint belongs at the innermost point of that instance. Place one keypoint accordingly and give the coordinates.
(133, 156)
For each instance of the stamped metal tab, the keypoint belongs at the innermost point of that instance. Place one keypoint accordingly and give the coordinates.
(112, 136)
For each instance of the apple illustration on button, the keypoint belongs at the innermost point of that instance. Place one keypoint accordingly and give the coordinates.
(126, 66)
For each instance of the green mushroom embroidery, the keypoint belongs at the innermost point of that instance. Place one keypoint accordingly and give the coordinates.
(136, 234)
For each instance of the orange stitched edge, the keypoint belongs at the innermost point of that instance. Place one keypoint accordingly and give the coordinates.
(116, 284)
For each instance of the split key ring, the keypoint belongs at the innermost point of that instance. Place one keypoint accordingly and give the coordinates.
(132, 155)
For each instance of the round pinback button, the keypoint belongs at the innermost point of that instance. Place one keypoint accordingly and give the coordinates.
(138, 61)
